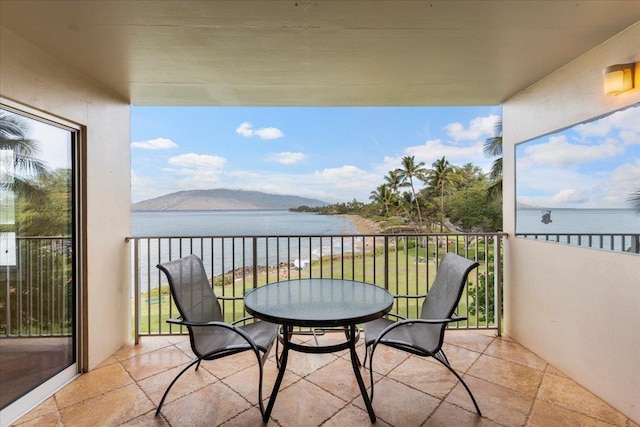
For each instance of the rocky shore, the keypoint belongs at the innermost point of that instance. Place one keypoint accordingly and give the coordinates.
(364, 226)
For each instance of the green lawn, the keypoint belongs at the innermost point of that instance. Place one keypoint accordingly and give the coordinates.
(409, 274)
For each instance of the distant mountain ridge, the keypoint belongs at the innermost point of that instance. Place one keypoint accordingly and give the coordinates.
(223, 199)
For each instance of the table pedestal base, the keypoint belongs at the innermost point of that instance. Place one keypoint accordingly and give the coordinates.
(352, 333)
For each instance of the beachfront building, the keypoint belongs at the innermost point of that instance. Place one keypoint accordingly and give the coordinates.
(79, 66)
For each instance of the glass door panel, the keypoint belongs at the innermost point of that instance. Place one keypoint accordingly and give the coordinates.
(37, 253)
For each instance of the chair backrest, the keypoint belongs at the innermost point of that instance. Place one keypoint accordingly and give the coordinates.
(443, 297)
(191, 290)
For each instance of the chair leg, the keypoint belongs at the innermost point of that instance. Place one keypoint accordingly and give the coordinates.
(473, 399)
(370, 367)
(261, 368)
(164, 396)
(277, 346)
(366, 353)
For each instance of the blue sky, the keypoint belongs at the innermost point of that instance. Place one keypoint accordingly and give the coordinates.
(590, 165)
(338, 154)
(331, 154)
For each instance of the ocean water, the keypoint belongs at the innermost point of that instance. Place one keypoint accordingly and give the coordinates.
(599, 221)
(237, 223)
(227, 224)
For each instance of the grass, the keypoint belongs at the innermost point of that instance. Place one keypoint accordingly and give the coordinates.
(408, 274)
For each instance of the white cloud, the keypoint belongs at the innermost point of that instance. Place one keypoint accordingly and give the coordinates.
(559, 152)
(269, 133)
(623, 181)
(155, 144)
(434, 149)
(197, 170)
(193, 160)
(349, 177)
(570, 196)
(246, 129)
(286, 157)
(479, 128)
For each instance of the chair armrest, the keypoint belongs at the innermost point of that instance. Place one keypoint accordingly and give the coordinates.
(183, 322)
(396, 315)
(434, 321)
(226, 298)
(223, 325)
(393, 326)
(410, 296)
(244, 319)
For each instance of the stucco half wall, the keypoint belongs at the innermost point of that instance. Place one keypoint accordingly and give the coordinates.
(33, 78)
(577, 308)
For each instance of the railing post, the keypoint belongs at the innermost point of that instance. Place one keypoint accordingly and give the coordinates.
(635, 244)
(386, 260)
(136, 293)
(497, 279)
(255, 264)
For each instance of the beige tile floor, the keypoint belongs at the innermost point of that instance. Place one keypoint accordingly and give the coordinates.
(513, 387)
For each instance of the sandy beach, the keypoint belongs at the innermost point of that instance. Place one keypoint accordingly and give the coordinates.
(366, 227)
(363, 225)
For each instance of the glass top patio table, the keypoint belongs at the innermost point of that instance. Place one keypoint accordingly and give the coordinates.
(318, 303)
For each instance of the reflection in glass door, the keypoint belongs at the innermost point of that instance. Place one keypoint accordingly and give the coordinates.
(38, 290)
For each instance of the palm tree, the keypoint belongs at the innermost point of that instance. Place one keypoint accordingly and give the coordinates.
(635, 200)
(493, 148)
(436, 178)
(383, 196)
(394, 181)
(25, 166)
(409, 170)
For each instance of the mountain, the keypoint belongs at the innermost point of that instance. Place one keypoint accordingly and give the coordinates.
(223, 199)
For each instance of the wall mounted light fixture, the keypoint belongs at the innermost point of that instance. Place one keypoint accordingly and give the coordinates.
(618, 78)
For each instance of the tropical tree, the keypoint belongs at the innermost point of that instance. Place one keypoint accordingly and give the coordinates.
(469, 210)
(384, 196)
(493, 148)
(393, 181)
(437, 178)
(53, 216)
(409, 170)
(18, 158)
(635, 200)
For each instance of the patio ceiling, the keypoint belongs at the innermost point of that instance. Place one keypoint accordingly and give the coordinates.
(320, 53)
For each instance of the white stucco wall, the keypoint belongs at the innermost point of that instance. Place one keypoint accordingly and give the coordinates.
(577, 308)
(35, 79)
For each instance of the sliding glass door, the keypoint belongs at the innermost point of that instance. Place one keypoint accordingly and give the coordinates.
(38, 252)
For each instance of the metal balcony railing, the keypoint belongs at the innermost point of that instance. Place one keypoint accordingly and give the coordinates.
(36, 289)
(404, 264)
(620, 242)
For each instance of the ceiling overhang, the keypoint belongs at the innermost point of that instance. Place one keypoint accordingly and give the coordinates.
(317, 53)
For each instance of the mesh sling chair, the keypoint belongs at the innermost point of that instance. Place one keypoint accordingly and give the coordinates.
(424, 336)
(210, 336)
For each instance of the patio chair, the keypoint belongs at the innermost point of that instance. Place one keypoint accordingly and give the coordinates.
(200, 312)
(424, 336)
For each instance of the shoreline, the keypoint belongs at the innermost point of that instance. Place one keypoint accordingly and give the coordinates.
(363, 225)
(367, 228)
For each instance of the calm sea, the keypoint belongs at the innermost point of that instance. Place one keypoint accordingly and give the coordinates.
(237, 223)
(598, 221)
(272, 222)
(285, 223)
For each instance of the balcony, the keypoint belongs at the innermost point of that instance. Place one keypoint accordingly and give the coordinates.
(513, 386)
(404, 264)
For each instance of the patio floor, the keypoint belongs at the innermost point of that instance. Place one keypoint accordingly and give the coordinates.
(513, 387)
